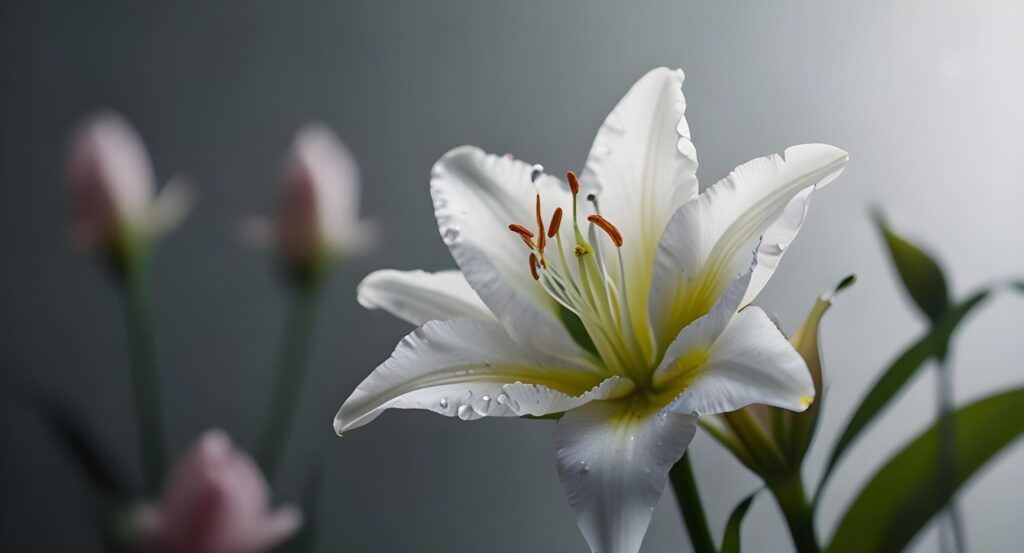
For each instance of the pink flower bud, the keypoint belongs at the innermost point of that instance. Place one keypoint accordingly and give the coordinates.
(319, 210)
(216, 501)
(112, 183)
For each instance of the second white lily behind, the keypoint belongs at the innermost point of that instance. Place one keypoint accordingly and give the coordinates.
(619, 298)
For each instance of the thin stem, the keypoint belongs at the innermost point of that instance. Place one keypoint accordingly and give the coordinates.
(688, 498)
(947, 452)
(792, 500)
(145, 378)
(290, 372)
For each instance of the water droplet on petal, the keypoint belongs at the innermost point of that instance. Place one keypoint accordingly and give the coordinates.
(451, 235)
(536, 172)
(444, 403)
(502, 398)
(483, 407)
(464, 412)
(782, 246)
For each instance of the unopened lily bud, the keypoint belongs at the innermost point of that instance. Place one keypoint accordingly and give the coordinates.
(216, 501)
(113, 189)
(319, 210)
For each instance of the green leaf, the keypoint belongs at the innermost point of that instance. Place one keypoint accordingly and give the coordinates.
(731, 537)
(932, 345)
(797, 429)
(905, 494)
(921, 275)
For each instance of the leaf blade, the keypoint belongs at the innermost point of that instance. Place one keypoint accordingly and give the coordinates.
(903, 495)
(921, 275)
(899, 373)
(731, 536)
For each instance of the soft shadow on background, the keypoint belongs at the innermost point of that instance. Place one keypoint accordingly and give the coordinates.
(926, 97)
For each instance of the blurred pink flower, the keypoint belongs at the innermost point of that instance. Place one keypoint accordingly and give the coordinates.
(318, 214)
(216, 501)
(319, 211)
(113, 186)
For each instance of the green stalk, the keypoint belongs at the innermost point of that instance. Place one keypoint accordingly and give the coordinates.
(688, 498)
(144, 375)
(799, 514)
(290, 373)
(947, 451)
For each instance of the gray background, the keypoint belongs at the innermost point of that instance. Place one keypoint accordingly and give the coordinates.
(926, 95)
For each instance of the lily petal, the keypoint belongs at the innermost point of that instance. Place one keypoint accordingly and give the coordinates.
(643, 166)
(419, 296)
(171, 205)
(613, 460)
(708, 240)
(685, 354)
(476, 196)
(750, 362)
(460, 368)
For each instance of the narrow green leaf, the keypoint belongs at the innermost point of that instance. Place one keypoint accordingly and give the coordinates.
(905, 494)
(932, 345)
(731, 537)
(921, 275)
(800, 427)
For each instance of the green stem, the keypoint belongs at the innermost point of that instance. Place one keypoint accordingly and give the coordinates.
(792, 500)
(688, 498)
(290, 371)
(947, 451)
(145, 378)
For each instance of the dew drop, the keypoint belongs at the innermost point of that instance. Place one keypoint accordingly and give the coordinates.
(536, 172)
(464, 412)
(782, 246)
(444, 403)
(484, 405)
(502, 398)
(451, 235)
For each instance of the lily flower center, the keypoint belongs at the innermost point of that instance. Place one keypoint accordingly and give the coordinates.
(581, 280)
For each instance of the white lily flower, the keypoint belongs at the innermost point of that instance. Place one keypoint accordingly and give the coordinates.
(661, 297)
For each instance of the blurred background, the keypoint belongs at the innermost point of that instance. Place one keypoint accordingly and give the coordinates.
(926, 96)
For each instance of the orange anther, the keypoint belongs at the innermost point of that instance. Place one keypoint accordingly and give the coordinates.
(609, 228)
(533, 266)
(521, 230)
(556, 222)
(574, 183)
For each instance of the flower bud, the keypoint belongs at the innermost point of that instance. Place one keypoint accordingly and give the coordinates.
(216, 501)
(113, 189)
(112, 181)
(319, 210)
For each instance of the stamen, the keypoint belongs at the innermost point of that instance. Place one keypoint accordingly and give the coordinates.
(524, 233)
(542, 240)
(581, 250)
(605, 225)
(574, 183)
(556, 222)
(533, 266)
